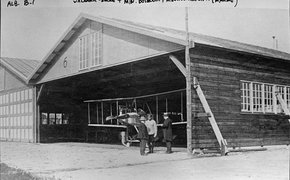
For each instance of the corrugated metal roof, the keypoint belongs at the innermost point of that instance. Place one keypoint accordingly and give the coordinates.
(23, 68)
(167, 34)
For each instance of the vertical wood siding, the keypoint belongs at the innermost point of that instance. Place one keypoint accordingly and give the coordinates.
(220, 73)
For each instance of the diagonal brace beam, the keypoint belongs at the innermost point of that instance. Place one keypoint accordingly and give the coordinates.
(39, 92)
(178, 64)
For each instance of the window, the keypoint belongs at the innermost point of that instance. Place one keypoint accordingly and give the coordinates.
(65, 118)
(246, 96)
(268, 91)
(84, 52)
(261, 98)
(58, 118)
(96, 48)
(257, 97)
(51, 118)
(44, 118)
(54, 118)
(280, 89)
(90, 50)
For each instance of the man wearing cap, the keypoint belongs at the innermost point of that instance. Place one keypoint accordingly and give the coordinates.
(167, 132)
(142, 135)
(152, 131)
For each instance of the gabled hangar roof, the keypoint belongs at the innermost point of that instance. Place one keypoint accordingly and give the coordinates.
(22, 68)
(167, 34)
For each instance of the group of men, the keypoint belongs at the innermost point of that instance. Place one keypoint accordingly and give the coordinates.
(148, 133)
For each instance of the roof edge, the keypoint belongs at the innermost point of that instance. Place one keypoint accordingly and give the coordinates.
(13, 70)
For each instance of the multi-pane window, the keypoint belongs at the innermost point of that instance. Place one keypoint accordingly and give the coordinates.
(96, 48)
(279, 89)
(90, 50)
(261, 97)
(54, 118)
(268, 98)
(84, 52)
(257, 97)
(246, 105)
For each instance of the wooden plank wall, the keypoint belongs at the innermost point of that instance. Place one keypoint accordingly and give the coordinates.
(219, 73)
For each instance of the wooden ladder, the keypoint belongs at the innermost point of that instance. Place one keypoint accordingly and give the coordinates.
(222, 142)
(283, 104)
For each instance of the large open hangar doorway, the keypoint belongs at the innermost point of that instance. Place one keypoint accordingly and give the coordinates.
(65, 115)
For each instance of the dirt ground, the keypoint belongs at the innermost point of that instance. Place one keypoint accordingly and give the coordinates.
(82, 161)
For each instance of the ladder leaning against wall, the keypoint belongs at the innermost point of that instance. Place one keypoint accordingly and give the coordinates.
(283, 104)
(222, 142)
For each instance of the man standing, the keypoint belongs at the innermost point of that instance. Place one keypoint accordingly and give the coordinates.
(167, 132)
(142, 135)
(152, 131)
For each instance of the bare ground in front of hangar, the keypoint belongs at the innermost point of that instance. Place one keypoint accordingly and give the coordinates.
(83, 161)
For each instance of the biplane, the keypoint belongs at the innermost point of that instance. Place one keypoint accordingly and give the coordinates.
(125, 113)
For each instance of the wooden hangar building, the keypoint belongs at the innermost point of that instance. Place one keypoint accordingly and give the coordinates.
(102, 64)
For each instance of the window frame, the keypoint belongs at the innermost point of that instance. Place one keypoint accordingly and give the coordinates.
(246, 104)
(84, 52)
(268, 98)
(263, 97)
(91, 50)
(257, 97)
(96, 46)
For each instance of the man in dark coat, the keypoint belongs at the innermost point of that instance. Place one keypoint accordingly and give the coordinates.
(167, 132)
(142, 135)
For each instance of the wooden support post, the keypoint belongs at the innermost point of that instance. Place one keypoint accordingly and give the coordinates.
(36, 123)
(181, 107)
(111, 112)
(37, 119)
(97, 104)
(188, 89)
(166, 104)
(157, 119)
(102, 107)
(89, 114)
(117, 106)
